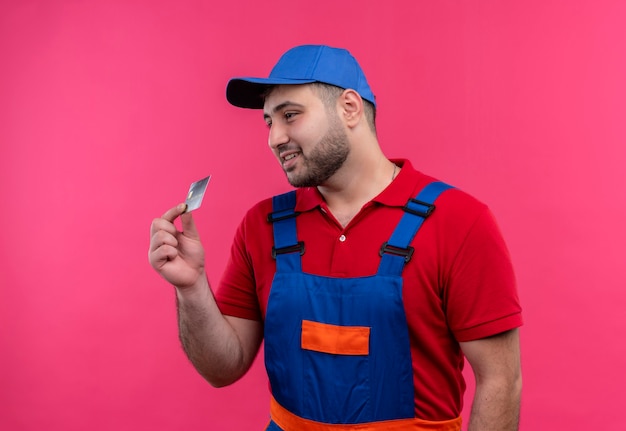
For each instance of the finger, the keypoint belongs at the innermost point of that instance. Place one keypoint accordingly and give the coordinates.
(166, 221)
(162, 255)
(173, 213)
(160, 224)
(189, 226)
(162, 237)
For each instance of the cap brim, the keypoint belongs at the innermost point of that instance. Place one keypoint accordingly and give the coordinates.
(250, 92)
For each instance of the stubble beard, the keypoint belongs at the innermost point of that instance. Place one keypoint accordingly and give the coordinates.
(324, 160)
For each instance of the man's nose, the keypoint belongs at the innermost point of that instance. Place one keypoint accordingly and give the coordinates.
(277, 136)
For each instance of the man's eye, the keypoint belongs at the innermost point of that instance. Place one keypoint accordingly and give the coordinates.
(289, 115)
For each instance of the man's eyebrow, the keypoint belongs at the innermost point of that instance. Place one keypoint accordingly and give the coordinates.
(282, 106)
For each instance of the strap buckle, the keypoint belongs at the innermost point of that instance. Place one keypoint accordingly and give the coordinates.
(281, 215)
(410, 208)
(398, 251)
(289, 249)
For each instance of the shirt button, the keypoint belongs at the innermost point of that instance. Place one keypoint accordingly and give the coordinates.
(342, 238)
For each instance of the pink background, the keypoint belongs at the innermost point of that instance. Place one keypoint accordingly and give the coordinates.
(111, 108)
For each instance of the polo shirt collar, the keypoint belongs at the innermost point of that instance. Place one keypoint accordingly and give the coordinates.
(396, 194)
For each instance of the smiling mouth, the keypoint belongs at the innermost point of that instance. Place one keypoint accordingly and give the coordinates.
(290, 156)
(289, 161)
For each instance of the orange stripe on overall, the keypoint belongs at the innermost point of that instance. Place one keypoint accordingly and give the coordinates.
(290, 422)
(338, 340)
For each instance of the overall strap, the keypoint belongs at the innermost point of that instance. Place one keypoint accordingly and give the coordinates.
(287, 249)
(396, 252)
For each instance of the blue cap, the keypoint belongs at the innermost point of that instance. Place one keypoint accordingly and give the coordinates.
(302, 65)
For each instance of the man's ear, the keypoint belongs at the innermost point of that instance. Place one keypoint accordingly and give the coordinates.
(351, 107)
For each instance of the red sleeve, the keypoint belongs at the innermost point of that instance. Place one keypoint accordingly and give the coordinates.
(482, 295)
(236, 294)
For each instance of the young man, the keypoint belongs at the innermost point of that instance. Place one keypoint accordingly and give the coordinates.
(369, 284)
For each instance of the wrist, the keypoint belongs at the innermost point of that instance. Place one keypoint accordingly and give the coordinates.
(194, 292)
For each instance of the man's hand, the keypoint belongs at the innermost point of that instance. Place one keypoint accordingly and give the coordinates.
(177, 256)
(221, 348)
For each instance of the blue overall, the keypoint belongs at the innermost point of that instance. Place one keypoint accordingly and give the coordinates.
(349, 387)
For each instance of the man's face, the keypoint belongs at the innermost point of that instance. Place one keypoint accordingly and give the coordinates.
(307, 138)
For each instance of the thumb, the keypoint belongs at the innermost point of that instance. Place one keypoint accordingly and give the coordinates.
(189, 226)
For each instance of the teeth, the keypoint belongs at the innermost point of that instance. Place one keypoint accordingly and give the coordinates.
(290, 156)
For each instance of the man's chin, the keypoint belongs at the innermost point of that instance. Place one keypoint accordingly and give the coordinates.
(300, 182)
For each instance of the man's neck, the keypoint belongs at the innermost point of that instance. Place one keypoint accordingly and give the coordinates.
(355, 185)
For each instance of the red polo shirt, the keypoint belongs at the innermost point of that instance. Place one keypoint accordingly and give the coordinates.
(459, 285)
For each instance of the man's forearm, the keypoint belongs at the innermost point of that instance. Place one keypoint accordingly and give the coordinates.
(496, 406)
(209, 341)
